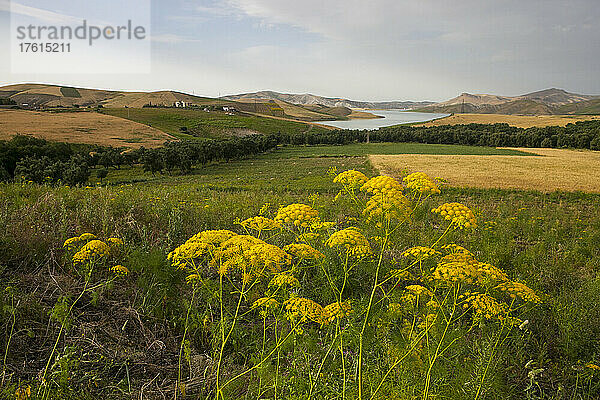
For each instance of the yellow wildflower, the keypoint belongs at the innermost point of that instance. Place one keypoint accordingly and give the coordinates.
(421, 183)
(114, 242)
(23, 393)
(260, 224)
(352, 240)
(267, 256)
(284, 279)
(458, 214)
(381, 185)
(120, 270)
(516, 289)
(85, 237)
(420, 253)
(91, 251)
(391, 204)
(198, 246)
(192, 278)
(305, 309)
(265, 302)
(418, 290)
(351, 179)
(303, 251)
(484, 305)
(296, 214)
(337, 310)
(72, 242)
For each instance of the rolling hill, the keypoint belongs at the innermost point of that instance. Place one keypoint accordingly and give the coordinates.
(311, 99)
(41, 95)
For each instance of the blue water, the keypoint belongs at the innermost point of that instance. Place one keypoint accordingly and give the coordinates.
(391, 117)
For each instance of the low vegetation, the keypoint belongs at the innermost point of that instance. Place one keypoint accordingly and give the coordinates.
(124, 321)
(215, 124)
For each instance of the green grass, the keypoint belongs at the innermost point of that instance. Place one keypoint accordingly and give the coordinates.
(548, 241)
(295, 165)
(214, 124)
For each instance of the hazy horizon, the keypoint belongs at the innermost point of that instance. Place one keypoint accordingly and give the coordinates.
(375, 51)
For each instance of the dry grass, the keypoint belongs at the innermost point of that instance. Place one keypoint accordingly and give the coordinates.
(549, 170)
(80, 127)
(521, 121)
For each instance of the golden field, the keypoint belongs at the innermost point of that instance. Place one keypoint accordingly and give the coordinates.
(80, 127)
(520, 121)
(548, 170)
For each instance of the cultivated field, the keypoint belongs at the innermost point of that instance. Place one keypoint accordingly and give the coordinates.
(80, 127)
(212, 124)
(521, 121)
(547, 170)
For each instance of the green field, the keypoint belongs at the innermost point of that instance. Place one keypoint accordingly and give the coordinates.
(214, 124)
(289, 165)
(123, 335)
(362, 149)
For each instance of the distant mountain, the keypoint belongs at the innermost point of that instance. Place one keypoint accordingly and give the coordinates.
(311, 99)
(543, 102)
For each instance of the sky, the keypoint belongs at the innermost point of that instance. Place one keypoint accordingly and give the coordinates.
(362, 50)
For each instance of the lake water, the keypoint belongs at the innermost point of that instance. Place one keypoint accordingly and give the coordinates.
(391, 117)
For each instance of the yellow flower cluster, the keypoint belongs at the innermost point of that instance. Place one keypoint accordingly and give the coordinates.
(198, 246)
(418, 290)
(421, 183)
(457, 267)
(303, 251)
(516, 289)
(284, 279)
(420, 253)
(388, 205)
(484, 305)
(352, 240)
(87, 237)
(120, 270)
(267, 256)
(296, 214)
(91, 251)
(458, 214)
(250, 256)
(305, 309)
(337, 310)
(351, 179)
(260, 224)
(266, 302)
(453, 248)
(381, 185)
(74, 241)
(23, 393)
(114, 242)
(192, 278)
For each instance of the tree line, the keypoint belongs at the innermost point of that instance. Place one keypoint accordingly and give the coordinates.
(581, 135)
(25, 158)
(29, 159)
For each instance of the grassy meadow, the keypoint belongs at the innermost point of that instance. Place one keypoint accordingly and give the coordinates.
(213, 124)
(78, 331)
